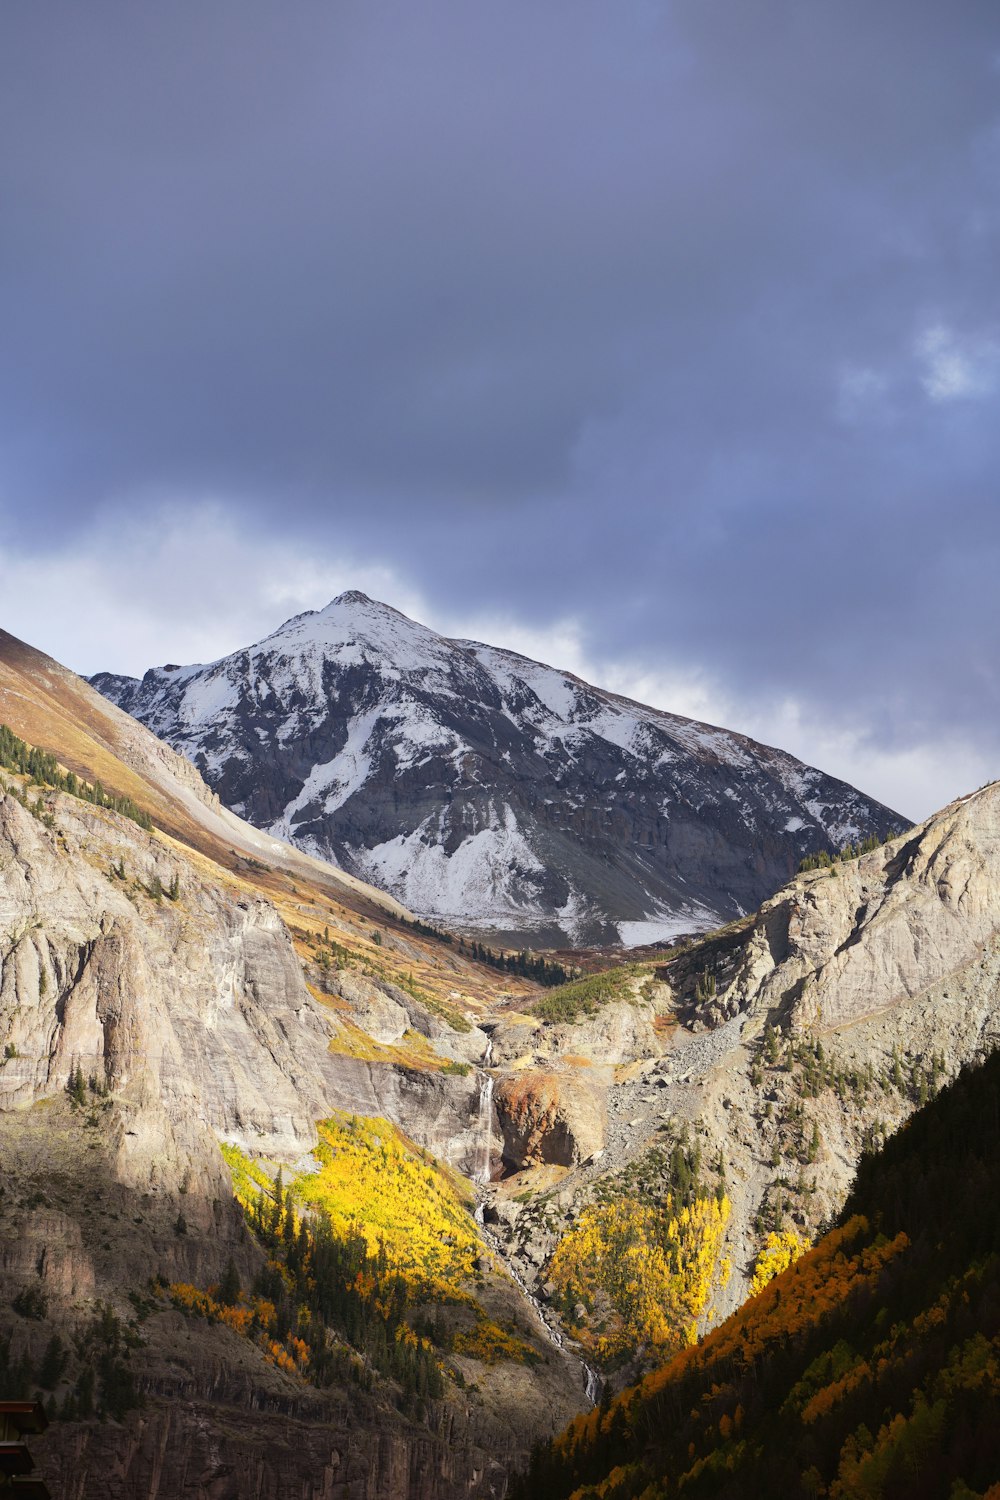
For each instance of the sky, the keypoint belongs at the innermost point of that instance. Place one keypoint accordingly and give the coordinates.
(660, 341)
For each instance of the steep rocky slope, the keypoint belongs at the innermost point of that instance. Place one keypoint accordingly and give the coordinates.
(488, 790)
(870, 1368)
(166, 990)
(763, 1059)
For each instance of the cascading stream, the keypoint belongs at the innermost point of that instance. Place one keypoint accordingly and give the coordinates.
(592, 1383)
(485, 1127)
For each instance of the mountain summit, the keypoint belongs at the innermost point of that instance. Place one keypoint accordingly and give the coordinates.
(490, 791)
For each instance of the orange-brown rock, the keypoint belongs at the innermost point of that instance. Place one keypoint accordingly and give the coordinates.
(558, 1117)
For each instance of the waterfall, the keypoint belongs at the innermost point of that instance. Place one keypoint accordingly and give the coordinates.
(485, 1126)
(592, 1382)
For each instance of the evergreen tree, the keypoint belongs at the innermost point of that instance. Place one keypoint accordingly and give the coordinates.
(77, 1086)
(229, 1286)
(53, 1362)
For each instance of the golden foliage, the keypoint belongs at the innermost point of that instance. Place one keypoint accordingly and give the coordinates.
(841, 1268)
(374, 1183)
(374, 1186)
(348, 1039)
(869, 1368)
(253, 1320)
(776, 1255)
(249, 1174)
(646, 1272)
(822, 1280)
(491, 1344)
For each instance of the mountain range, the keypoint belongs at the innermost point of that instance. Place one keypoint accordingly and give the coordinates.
(302, 1201)
(488, 791)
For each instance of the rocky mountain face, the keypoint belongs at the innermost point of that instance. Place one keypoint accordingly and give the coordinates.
(486, 790)
(778, 1050)
(161, 995)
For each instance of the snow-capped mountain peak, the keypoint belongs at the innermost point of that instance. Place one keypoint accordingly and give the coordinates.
(485, 789)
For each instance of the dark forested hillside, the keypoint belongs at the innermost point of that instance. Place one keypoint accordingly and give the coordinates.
(870, 1368)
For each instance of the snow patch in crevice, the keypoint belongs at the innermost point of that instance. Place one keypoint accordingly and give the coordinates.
(333, 782)
(418, 735)
(205, 699)
(664, 925)
(574, 916)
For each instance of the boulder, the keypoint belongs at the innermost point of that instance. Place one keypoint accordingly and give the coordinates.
(558, 1117)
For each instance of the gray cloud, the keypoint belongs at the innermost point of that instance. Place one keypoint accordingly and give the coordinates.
(676, 319)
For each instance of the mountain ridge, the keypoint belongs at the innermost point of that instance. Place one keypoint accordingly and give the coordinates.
(486, 790)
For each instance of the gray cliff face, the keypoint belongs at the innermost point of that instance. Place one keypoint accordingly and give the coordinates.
(487, 790)
(193, 1016)
(195, 1012)
(217, 1421)
(837, 948)
(828, 1016)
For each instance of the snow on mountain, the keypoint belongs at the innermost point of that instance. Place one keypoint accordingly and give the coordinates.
(489, 791)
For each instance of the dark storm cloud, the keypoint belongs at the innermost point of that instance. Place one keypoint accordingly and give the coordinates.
(678, 318)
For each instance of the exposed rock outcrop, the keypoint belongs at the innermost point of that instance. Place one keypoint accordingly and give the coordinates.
(552, 1118)
(216, 1418)
(172, 996)
(199, 985)
(881, 930)
(617, 1032)
(195, 1011)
